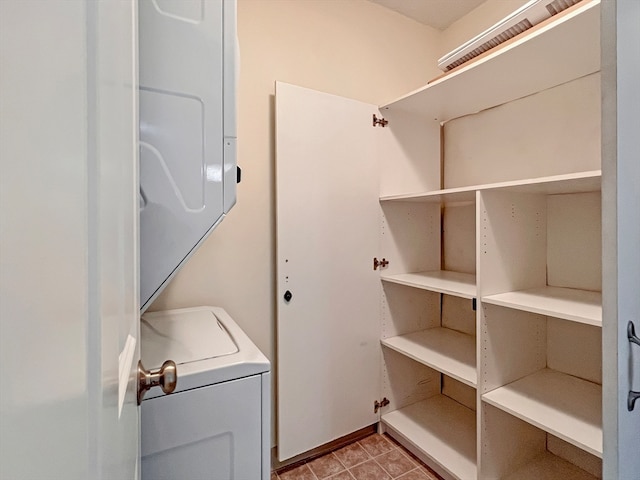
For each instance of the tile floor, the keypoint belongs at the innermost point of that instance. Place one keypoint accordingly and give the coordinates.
(376, 457)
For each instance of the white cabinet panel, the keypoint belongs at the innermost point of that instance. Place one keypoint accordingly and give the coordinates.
(328, 223)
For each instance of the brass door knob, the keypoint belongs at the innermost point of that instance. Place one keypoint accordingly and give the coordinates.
(166, 377)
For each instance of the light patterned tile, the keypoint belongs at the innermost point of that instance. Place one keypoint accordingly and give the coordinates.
(395, 463)
(416, 474)
(326, 466)
(369, 471)
(299, 473)
(351, 455)
(376, 445)
(343, 475)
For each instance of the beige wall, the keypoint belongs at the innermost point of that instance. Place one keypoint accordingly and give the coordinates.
(352, 48)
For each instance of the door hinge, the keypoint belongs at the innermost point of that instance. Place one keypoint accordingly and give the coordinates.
(474, 304)
(378, 405)
(379, 263)
(379, 121)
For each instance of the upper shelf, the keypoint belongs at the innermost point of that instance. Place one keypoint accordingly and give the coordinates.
(447, 351)
(566, 183)
(565, 48)
(570, 304)
(440, 281)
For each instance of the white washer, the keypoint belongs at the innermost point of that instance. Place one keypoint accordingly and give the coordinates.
(216, 424)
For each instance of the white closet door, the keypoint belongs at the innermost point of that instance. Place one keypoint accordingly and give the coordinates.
(621, 241)
(327, 235)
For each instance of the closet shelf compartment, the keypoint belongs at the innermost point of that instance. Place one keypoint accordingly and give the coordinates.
(580, 182)
(440, 281)
(547, 467)
(565, 406)
(571, 46)
(447, 351)
(442, 430)
(570, 304)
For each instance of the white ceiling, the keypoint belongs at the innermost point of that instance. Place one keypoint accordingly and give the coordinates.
(435, 13)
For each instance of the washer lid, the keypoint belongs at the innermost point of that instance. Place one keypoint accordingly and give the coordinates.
(183, 337)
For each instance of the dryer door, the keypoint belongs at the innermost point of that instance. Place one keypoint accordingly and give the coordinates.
(183, 115)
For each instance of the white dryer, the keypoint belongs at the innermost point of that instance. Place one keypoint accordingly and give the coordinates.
(216, 424)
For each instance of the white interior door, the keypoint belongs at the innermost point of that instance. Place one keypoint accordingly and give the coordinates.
(68, 240)
(327, 236)
(621, 241)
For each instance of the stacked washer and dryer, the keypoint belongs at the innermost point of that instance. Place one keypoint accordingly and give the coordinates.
(216, 423)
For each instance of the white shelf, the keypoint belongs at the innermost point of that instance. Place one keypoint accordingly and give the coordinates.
(549, 467)
(567, 303)
(566, 48)
(442, 429)
(565, 406)
(445, 350)
(567, 183)
(440, 281)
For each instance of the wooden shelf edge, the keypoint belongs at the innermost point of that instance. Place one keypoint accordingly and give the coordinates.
(439, 281)
(534, 300)
(431, 360)
(558, 420)
(587, 178)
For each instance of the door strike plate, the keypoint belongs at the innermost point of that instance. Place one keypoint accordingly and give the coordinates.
(378, 405)
(379, 263)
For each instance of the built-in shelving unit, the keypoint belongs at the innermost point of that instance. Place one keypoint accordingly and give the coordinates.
(490, 227)
(570, 304)
(440, 431)
(565, 406)
(445, 350)
(440, 281)
(530, 247)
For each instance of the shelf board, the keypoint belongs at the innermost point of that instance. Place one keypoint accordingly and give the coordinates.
(442, 429)
(571, 46)
(565, 406)
(556, 184)
(549, 467)
(445, 350)
(440, 281)
(570, 304)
